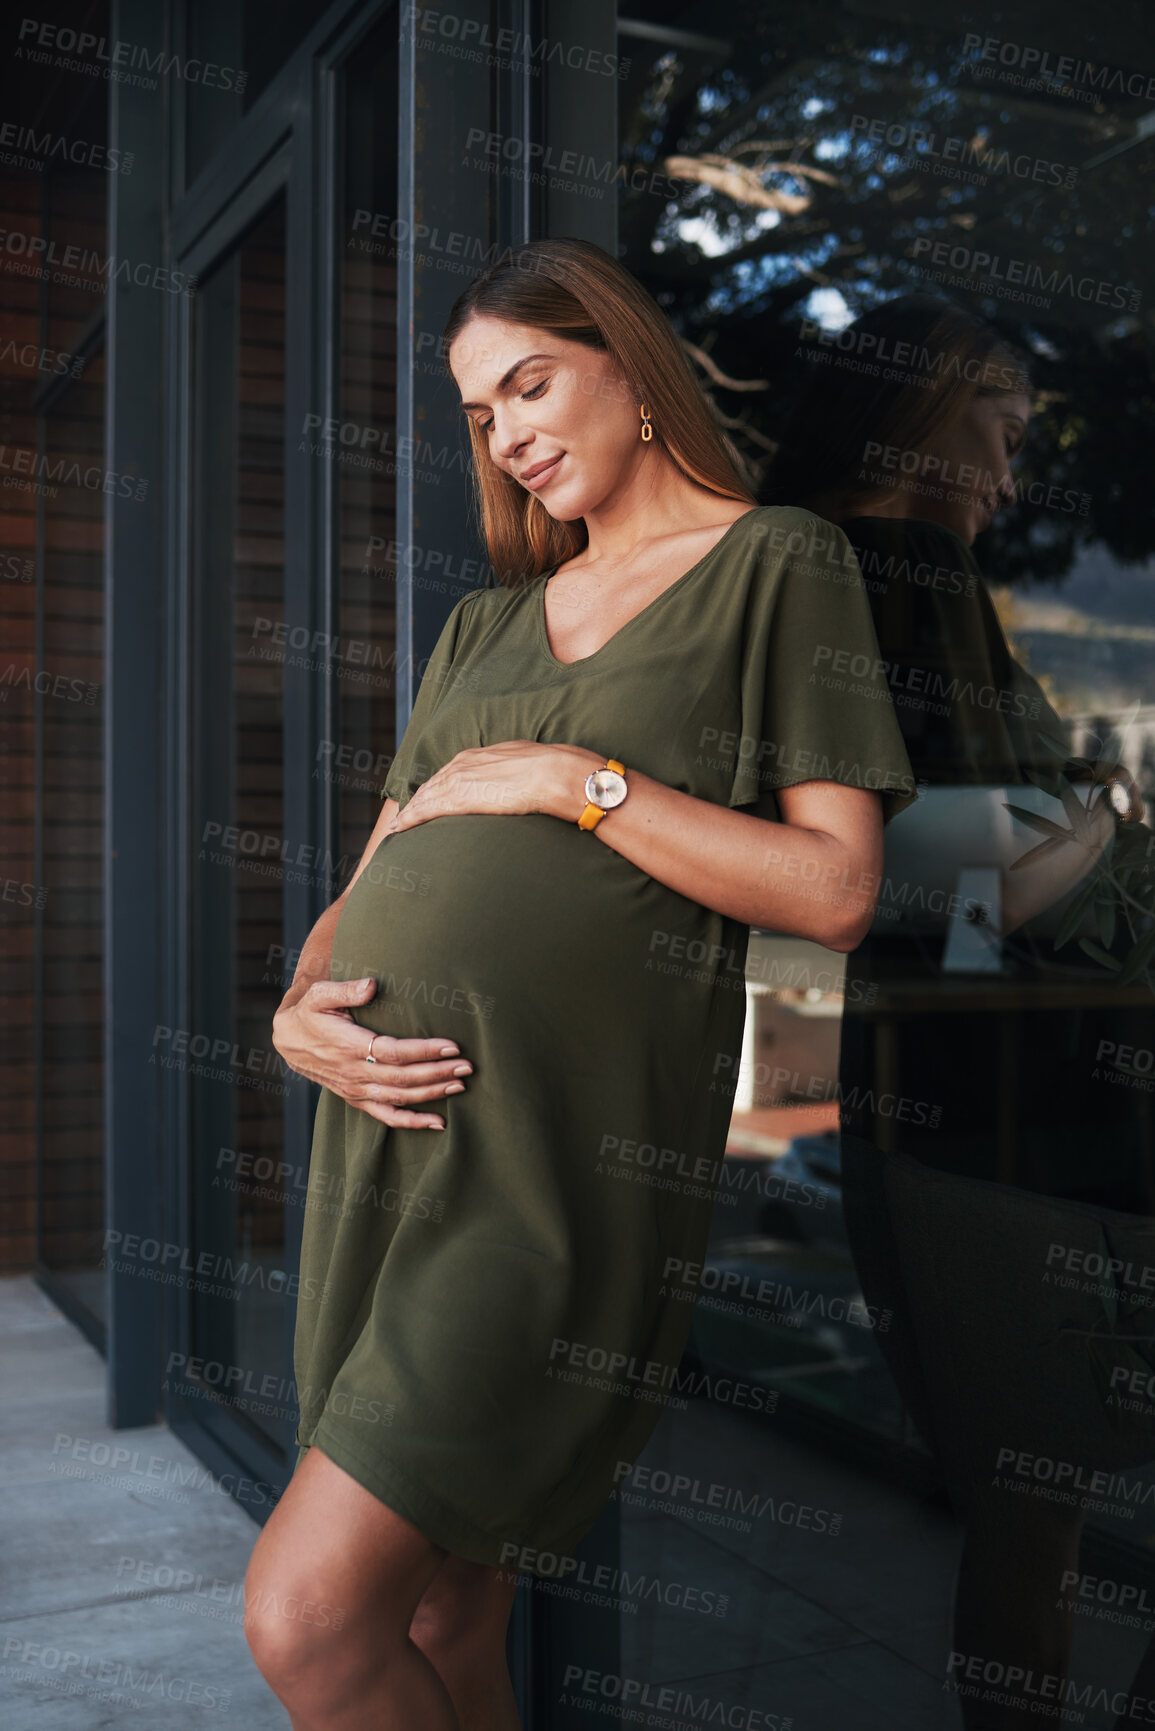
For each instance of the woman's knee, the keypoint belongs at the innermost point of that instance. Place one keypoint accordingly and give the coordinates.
(282, 1632)
(332, 1584)
(463, 1614)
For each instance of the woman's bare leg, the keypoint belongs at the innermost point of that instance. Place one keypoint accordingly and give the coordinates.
(333, 1584)
(460, 1626)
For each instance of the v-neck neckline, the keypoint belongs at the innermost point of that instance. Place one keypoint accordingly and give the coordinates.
(581, 661)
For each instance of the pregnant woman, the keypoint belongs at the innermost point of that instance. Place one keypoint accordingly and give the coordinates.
(526, 1009)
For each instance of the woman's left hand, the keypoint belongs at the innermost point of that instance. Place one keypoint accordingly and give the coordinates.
(516, 776)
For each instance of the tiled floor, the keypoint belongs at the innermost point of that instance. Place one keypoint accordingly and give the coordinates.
(829, 1629)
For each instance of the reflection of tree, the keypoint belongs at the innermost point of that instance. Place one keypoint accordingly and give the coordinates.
(767, 187)
(741, 428)
(747, 182)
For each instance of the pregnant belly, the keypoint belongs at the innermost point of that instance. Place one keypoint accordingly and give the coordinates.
(519, 924)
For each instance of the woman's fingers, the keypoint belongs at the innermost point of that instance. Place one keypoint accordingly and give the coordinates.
(395, 1088)
(423, 1081)
(397, 1118)
(319, 1039)
(337, 994)
(404, 1074)
(410, 1053)
(414, 1067)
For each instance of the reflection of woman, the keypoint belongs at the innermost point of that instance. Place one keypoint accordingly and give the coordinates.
(476, 1321)
(992, 1360)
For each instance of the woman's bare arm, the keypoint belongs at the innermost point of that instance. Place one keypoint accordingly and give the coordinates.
(814, 875)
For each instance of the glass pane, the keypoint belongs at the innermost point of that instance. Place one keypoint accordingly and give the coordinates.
(365, 670)
(72, 715)
(784, 181)
(75, 288)
(236, 1078)
(68, 496)
(19, 380)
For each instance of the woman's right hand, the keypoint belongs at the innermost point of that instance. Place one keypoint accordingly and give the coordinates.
(317, 1036)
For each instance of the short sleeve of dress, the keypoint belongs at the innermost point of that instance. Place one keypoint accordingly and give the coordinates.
(405, 773)
(815, 703)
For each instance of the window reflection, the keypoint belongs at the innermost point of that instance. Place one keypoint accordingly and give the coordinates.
(889, 1281)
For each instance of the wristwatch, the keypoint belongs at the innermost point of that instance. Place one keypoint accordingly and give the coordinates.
(605, 788)
(1119, 798)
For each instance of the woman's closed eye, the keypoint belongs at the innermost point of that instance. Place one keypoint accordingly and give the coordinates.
(534, 391)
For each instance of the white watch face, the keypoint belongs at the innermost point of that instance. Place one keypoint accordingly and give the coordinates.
(605, 788)
(1119, 797)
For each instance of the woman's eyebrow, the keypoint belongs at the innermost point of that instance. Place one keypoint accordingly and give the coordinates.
(508, 377)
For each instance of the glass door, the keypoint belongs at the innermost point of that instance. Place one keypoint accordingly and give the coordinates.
(284, 472)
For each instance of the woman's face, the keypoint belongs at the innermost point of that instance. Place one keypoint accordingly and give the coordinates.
(556, 415)
(977, 452)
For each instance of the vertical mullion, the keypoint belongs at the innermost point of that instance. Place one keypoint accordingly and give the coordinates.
(308, 591)
(38, 871)
(176, 15)
(179, 801)
(407, 200)
(517, 114)
(440, 99)
(133, 634)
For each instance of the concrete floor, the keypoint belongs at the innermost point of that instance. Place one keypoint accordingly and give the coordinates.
(97, 1628)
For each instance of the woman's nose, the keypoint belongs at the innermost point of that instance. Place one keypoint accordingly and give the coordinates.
(508, 436)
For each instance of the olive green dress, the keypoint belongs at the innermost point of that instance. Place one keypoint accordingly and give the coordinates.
(492, 1316)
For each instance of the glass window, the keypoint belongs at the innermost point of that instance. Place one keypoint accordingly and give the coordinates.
(53, 503)
(895, 1288)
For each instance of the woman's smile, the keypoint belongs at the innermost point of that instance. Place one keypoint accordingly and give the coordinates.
(539, 475)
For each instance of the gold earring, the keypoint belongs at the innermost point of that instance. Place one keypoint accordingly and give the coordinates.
(647, 429)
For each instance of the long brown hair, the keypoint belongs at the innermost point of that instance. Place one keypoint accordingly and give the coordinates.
(574, 288)
(948, 358)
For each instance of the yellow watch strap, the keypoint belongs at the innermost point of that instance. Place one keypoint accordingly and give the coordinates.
(593, 814)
